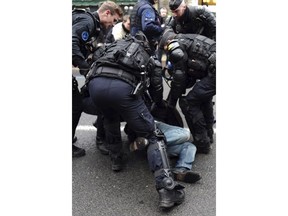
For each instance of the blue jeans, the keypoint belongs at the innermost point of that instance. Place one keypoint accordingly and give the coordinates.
(178, 144)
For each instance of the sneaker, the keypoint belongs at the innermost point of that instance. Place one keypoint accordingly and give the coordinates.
(77, 152)
(185, 175)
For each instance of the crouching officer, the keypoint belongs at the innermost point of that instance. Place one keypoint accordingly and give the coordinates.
(116, 83)
(194, 59)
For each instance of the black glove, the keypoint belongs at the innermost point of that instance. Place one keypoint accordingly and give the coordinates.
(82, 65)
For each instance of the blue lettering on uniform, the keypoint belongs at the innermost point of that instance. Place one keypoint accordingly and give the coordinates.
(85, 35)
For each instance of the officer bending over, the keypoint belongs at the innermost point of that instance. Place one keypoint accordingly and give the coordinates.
(116, 83)
(86, 25)
(194, 58)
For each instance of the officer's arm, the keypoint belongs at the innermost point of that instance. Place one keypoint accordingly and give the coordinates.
(208, 19)
(178, 58)
(80, 35)
(149, 25)
(156, 82)
(178, 86)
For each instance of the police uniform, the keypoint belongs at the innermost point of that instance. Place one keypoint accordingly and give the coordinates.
(194, 58)
(85, 25)
(144, 17)
(116, 83)
(195, 20)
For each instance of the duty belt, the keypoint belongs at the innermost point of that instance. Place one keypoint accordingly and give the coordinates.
(116, 73)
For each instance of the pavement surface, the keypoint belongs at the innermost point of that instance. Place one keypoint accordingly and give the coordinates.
(97, 190)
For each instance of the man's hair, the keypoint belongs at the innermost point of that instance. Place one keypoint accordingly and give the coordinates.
(174, 4)
(126, 18)
(112, 6)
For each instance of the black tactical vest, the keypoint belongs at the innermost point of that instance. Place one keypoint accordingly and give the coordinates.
(128, 54)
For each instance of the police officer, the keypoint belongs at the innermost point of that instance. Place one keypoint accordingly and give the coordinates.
(194, 20)
(191, 19)
(145, 18)
(194, 58)
(116, 83)
(86, 25)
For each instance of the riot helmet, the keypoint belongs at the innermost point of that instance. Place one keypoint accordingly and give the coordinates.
(168, 34)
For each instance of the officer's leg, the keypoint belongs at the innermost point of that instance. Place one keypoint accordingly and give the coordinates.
(91, 108)
(100, 136)
(183, 103)
(114, 141)
(103, 95)
(138, 117)
(202, 92)
(170, 192)
(77, 109)
(208, 112)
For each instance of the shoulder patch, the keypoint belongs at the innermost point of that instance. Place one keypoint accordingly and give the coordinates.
(85, 35)
(148, 14)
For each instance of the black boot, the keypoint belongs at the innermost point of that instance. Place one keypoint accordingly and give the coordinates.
(202, 142)
(185, 175)
(77, 152)
(117, 162)
(169, 198)
(100, 144)
(210, 133)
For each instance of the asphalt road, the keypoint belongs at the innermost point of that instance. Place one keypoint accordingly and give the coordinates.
(97, 190)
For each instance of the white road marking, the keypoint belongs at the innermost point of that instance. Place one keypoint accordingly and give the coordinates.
(92, 128)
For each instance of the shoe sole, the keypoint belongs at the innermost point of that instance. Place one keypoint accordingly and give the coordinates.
(116, 168)
(166, 205)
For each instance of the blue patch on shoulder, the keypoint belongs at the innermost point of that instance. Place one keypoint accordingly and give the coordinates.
(149, 14)
(85, 35)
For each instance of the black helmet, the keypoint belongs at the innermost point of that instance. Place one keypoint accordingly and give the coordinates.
(174, 4)
(168, 34)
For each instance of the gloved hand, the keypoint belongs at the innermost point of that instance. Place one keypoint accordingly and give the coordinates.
(82, 65)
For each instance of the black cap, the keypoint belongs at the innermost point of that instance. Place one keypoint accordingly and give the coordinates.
(174, 4)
